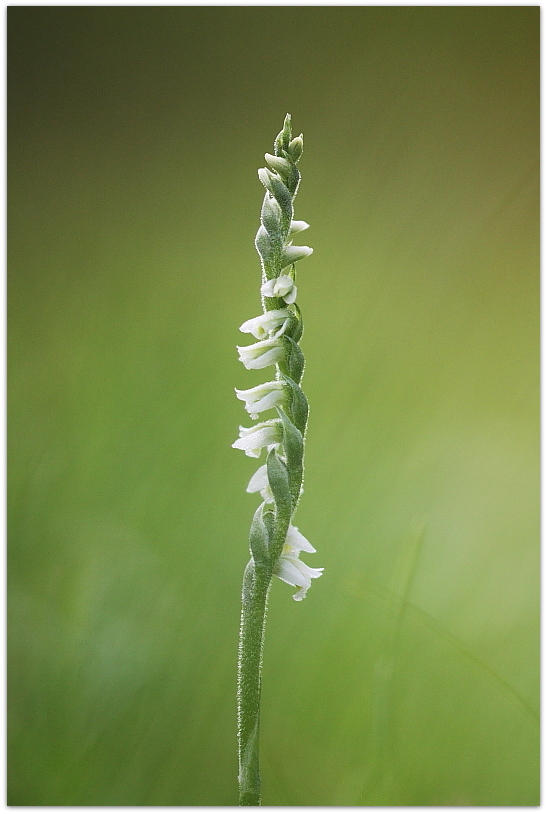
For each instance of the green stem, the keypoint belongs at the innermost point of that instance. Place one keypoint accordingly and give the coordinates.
(254, 600)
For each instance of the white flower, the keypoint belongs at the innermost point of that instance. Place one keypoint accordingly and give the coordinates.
(266, 323)
(263, 397)
(261, 354)
(297, 541)
(293, 253)
(289, 567)
(298, 226)
(282, 286)
(253, 439)
(260, 483)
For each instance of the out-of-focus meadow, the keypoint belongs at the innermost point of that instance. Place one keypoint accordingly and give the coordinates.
(409, 676)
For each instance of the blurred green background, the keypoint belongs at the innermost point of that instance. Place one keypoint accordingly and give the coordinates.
(409, 676)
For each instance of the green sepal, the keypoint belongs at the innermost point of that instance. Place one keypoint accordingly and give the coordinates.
(268, 516)
(278, 478)
(296, 148)
(270, 218)
(283, 198)
(287, 131)
(283, 138)
(293, 442)
(259, 540)
(288, 172)
(291, 178)
(298, 405)
(293, 363)
(264, 245)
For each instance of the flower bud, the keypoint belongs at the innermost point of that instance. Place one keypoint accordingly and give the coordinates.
(291, 254)
(298, 226)
(280, 165)
(296, 148)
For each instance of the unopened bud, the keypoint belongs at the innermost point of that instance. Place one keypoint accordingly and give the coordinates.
(291, 254)
(280, 165)
(296, 148)
(298, 226)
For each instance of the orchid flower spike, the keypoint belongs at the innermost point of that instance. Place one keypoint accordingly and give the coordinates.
(275, 543)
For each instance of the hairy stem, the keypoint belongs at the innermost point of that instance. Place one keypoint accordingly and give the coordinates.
(254, 600)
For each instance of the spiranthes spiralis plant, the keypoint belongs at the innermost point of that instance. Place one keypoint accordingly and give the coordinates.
(275, 543)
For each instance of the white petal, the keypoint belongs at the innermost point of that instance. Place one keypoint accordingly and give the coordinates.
(259, 483)
(291, 296)
(262, 397)
(297, 541)
(259, 480)
(267, 402)
(291, 254)
(261, 325)
(258, 391)
(261, 354)
(253, 439)
(298, 226)
(267, 290)
(283, 285)
(287, 571)
(268, 358)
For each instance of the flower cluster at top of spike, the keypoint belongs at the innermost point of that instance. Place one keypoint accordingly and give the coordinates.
(275, 543)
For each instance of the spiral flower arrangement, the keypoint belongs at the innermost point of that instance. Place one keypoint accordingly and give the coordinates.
(275, 543)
